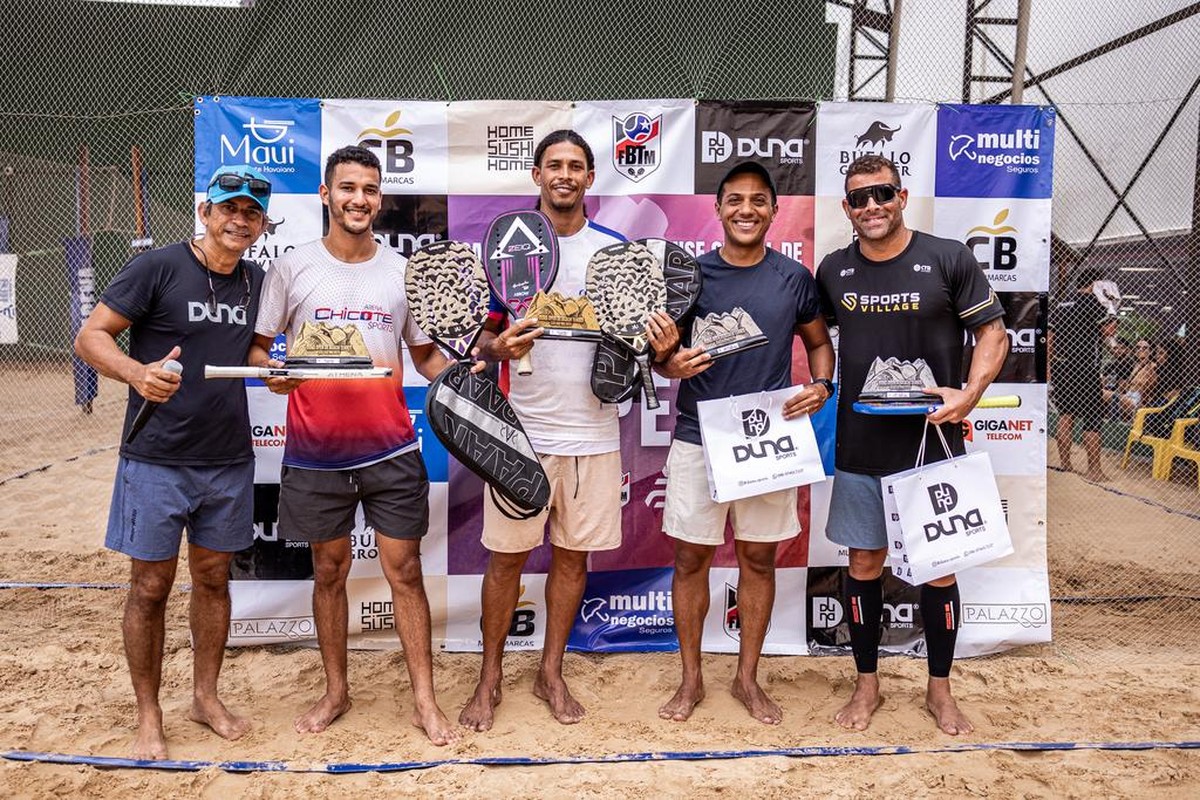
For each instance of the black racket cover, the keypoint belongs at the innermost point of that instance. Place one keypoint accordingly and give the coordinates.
(472, 418)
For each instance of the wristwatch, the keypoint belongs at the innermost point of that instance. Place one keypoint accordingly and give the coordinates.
(828, 384)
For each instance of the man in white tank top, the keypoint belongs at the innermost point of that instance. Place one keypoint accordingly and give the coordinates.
(575, 435)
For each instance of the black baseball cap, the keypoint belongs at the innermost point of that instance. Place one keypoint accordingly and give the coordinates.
(748, 168)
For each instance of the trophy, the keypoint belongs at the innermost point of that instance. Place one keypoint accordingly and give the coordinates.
(725, 334)
(564, 317)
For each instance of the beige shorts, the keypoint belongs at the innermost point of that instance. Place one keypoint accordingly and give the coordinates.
(584, 513)
(691, 515)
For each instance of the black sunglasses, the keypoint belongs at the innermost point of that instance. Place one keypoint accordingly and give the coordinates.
(881, 193)
(231, 183)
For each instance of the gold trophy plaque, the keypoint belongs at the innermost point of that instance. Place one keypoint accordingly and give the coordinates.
(565, 317)
(319, 343)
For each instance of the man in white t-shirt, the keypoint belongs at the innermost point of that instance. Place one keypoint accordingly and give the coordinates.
(576, 437)
(352, 441)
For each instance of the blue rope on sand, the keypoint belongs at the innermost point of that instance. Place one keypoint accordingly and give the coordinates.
(110, 762)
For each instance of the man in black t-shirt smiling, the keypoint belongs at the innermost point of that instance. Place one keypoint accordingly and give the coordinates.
(902, 301)
(192, 465)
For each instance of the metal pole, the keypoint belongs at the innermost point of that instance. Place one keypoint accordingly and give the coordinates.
(1191, 269)
(893, 53)
(1018, 70)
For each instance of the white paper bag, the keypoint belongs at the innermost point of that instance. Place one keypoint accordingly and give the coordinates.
(750, 449)
(949, 515)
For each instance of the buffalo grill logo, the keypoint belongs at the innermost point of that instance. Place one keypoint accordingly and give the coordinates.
(637, 144)
(877, 140)
(943, 498)
(876, 135)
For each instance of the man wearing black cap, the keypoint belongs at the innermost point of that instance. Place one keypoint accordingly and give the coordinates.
(780, 296)
(189, 464)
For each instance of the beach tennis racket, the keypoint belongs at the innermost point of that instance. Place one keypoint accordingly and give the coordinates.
(681, 274)
(887, 407)
(447, 295)
(625, 284)
(520, 256)
(298, 373)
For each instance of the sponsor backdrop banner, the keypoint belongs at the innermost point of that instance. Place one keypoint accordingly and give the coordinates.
(8, 298)
(981, 175)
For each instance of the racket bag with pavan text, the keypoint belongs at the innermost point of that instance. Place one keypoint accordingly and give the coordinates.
(473, 419)
(943, 517)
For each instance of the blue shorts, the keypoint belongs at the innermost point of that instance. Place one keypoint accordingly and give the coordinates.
(856, 512)
(153, 503)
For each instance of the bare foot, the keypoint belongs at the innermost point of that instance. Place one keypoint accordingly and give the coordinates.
(940, 703)
(213, 713)
(761, 707)
(565, 708)
(430, 719)
(480, 711)
(322, 715)
(150, 743)
(1095, 475)
(856, 714)
(680, 707)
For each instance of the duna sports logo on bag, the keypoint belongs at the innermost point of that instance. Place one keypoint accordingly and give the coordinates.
(756, 422)
(943, 498)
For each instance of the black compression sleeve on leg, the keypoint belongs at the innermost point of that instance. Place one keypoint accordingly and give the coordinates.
(939, 612)
(864, 608)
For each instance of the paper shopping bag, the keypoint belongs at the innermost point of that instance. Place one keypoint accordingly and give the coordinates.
(750, 449)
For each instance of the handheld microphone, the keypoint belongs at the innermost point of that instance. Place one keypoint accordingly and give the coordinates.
(148, 407)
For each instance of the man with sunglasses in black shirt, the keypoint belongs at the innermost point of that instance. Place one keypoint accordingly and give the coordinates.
(190, 464)
(902, 301)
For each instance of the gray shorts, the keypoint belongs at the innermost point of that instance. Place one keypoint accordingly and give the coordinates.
(318, 505)
(152, 504)
(856, 512)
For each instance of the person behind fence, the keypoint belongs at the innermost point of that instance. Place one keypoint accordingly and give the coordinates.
(352, 442)
(780, 296)
(186, 461)
(576, 437)
(902, 301)
(1138, 386)
(1079, 327)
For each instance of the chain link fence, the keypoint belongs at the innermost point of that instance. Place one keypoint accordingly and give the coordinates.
(95, 146)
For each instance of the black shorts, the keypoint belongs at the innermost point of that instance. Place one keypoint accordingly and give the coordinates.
(1080, 396)
(318, 505)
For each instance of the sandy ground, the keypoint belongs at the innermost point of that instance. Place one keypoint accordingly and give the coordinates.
(1119, 671)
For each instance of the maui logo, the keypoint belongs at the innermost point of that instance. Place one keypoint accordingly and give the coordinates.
(716, 147)
(395, 147)
(263, 145)
(1003, 248)
(223, 314)
(637, 144)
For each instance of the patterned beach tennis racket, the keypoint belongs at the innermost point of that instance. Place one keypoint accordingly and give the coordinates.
(625, 284)
(521, 259)
(681, 274)
(448, 295)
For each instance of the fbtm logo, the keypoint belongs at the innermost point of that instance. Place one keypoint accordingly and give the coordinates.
(944, 499)
(994, 247)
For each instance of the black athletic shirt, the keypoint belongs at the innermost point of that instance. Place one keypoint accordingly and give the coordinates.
(911, 308)
(778, 293)
(164, 293)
